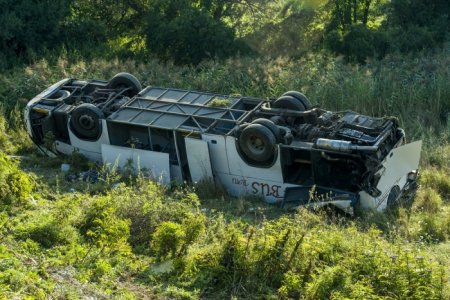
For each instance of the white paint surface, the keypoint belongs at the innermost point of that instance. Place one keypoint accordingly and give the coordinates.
(93, 148)
(197, 152)
(238, 186)
(156, 163)
(403, 160)
(396, 166)
(217, 152)
(239, 167)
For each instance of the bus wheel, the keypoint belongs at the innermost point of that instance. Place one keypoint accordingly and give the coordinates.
(300, 97)
(258, 143)
(125, 80)
(289, 102)
(271, 125)
(85, 121)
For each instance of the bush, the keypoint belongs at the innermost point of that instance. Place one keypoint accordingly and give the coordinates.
(15, 185)
(102, 226)
(432, 230)
(293, 257)
(357, 43)
(88, 36)
(329, 282)
(428, 200)
(436, 179)
(415, 25)
(414, 38)
(167, 239)
(48, 231)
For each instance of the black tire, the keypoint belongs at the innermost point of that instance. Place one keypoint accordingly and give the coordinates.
(301, 97)
(289, 102)
(85, 121)
(258, 143)
(393, 201)
(125, 80)
(271, 125)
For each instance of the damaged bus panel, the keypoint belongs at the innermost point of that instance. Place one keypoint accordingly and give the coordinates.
(284, 149)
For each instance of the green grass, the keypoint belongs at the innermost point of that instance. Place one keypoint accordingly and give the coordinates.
(125, 237)
(415, 89)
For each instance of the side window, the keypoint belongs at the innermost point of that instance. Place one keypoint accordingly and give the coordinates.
(143, 137)
(163, 141)
(128, 135)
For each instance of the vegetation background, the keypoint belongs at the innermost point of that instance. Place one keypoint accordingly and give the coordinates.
(127, 237)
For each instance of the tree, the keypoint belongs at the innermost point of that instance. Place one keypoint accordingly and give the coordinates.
(418, 24)
(348, 32)
(31, 26)
(348, 12)
(118, 17)
(183, 33)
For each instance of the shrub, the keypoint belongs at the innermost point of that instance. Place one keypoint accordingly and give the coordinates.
(414, 38)
(436, 179)
(431, 229)
(418, 24)
(48, 231)
(5, 139)
(329, 282)
(357, 43)
(439, 157)
(194, 227)
(428, 200)
(167, 239)
(15, 185)
(102, 226)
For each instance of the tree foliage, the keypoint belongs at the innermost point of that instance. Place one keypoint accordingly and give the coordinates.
(179, 31)
(349, 12)
(115, 17)
(418, 24)
(409, 25)
(30, 26)
(187, 32)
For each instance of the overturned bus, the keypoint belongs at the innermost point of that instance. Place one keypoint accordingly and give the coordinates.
(284, 150)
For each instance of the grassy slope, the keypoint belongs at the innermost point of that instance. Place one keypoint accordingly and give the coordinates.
(135, 239)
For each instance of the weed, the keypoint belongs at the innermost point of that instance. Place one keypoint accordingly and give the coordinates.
(428, 200)
(15, 185)
(438, 180)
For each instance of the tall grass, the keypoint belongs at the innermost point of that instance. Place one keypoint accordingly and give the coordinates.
(414, 88)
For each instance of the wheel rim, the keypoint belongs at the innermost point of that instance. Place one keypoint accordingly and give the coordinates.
(256, 144)
(86, 122)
